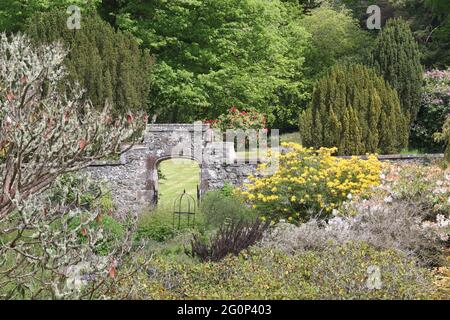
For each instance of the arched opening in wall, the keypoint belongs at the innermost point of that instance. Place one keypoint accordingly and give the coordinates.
(176, 175)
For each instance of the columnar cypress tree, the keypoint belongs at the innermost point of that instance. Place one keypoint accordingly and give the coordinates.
(106, 62)
(396, 56)
(354, 109)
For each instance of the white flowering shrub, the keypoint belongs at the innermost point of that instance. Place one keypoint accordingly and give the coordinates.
(49, 246)
(396, 226)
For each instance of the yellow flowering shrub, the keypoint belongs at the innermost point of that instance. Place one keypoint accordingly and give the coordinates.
(309, 183)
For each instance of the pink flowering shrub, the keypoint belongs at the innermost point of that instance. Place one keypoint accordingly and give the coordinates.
(237, 119)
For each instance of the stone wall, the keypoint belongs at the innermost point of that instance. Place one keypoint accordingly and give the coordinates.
(133, 179)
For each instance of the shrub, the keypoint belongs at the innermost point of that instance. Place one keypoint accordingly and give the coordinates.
(227, 190)
(335, 37)
(218, 208)
(235, 119)
(425, 187)
(106, 62)
(444, 137)
(94, 197)
(355, 110)
(395, 226)
(206, 60)
(396, 56)
(157, 225)
(434, 109)
(50, 248)
(309, 182)
(336, 273)
(231, 238)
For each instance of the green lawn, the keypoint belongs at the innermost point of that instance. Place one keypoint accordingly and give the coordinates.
(179, 175)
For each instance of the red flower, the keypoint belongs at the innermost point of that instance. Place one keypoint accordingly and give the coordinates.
(82, 144)
(10, 96)
(112, 271)
(129, 118)
(233, 109)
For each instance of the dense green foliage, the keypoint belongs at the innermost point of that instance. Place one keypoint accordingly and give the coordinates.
(214, 54)
(335, 273)
(220, 208)
(396, 57)
(430, 22)
(231, 238)
(434, 109)
(354, 109)
(335, 38)
(107, 63)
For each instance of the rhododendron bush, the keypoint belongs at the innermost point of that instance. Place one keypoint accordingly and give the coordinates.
(236, 119)
(48, 247)
(309, 183)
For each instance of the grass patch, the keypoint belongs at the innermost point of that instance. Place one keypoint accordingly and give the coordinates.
(178, 175)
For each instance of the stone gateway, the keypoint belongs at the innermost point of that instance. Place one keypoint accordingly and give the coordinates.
(133, 179)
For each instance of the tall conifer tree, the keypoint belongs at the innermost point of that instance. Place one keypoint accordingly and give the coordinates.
(354, 109)
(396, 56)
(109, 64)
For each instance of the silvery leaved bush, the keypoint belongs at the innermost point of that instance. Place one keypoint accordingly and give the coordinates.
(49, 247)
(45, 132)
(397, 226)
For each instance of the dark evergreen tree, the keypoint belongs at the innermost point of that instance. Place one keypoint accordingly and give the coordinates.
(396, 56)
(109, 64)
(354, 109)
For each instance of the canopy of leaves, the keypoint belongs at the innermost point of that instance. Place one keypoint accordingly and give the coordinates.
(214, 54)
(44, 133)
(335, 37)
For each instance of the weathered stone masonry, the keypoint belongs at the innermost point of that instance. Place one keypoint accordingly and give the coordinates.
(133, 179)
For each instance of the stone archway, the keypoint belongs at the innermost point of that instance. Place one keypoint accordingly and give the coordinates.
(154, 181)
(134, 179)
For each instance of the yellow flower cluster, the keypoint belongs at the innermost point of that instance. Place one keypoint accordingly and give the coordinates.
(310, 182)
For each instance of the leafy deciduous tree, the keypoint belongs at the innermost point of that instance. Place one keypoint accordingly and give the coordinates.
(215, 54)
